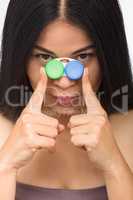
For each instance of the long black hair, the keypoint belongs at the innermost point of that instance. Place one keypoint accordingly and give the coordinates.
(101, 19)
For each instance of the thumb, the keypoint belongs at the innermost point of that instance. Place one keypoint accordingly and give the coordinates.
(36, 100)
(61, 127)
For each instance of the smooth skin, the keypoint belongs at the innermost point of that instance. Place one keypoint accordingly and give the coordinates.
(85, 153)
(99, 142)
(35, 130)
(63, 41)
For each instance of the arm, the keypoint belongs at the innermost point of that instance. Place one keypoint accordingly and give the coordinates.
(119, 181)
(7, 184)
(94, 131)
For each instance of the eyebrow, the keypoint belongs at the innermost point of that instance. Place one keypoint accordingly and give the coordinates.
(91, 46)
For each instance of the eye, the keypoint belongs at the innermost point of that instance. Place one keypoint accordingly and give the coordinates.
(84, 57)
(44, 58)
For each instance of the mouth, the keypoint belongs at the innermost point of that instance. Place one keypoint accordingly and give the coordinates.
(67, 100)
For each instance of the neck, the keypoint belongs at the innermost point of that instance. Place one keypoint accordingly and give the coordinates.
(63, 118)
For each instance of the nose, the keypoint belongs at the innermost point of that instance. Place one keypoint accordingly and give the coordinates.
(64, 82)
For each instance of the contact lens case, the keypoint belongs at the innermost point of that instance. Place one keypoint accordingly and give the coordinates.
(58, 67)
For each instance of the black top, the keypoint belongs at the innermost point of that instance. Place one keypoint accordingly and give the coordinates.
(31, 192)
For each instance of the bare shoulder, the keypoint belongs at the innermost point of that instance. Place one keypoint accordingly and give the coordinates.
(122, 125)
(5, 129)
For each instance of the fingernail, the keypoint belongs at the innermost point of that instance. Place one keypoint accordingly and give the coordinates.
(61, 127)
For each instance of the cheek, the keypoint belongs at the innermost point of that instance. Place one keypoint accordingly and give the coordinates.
(95, 74)
(33, 69)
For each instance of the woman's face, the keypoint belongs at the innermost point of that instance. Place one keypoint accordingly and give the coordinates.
(61, 39)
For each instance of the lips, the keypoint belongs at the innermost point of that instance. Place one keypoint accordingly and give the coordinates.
(66, 100)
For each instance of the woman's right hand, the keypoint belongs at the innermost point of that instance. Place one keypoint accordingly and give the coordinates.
(32, 131)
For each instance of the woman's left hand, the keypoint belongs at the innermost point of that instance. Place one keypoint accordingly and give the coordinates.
(93, 130)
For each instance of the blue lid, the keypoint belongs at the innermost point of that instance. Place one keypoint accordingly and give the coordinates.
(74, 70)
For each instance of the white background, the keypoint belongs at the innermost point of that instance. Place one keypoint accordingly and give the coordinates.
(126, 6)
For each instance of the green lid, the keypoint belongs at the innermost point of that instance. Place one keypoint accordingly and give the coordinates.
(54, 69)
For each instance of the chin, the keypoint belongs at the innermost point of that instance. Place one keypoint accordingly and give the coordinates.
(60, 111)
(67, 111)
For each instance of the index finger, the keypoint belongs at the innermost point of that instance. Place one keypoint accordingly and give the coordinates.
(91, 100)
(36, 100)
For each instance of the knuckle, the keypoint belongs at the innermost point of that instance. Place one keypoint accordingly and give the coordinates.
(26, 128)
(29, 138)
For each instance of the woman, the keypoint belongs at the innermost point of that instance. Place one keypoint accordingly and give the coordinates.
(53, 147)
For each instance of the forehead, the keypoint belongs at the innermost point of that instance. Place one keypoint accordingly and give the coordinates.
(62, 35)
